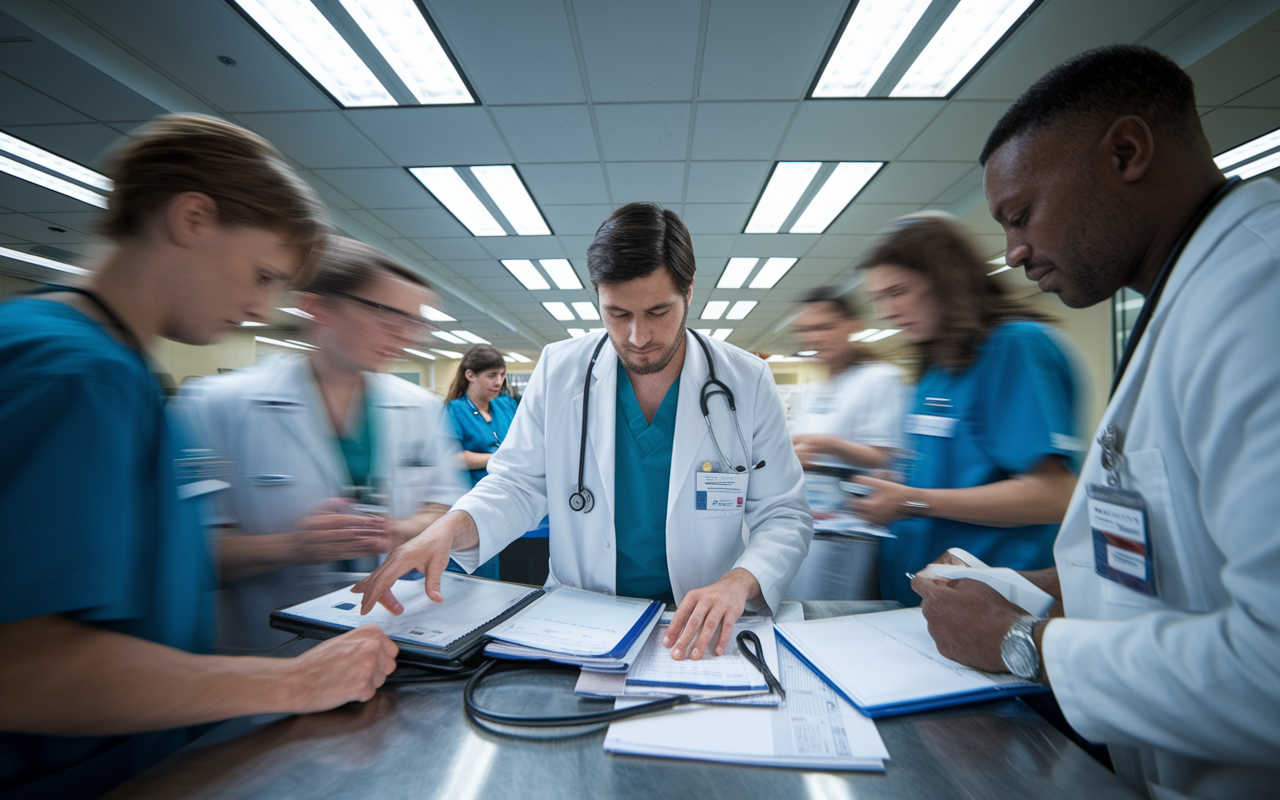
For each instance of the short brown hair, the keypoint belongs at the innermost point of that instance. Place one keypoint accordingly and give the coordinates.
(638, 239)
(834, 299)
(971, 303)
(240, 171)
(347, 266)
(480, 358)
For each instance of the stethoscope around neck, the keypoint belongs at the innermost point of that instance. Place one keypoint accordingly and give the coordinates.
(582, 499)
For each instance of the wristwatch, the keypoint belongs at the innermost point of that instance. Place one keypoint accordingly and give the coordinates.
(916, 508)
(1018, 650)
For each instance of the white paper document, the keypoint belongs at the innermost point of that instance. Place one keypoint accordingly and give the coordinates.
(729, 672)
(468, 604)
(574, 622)
(1011, 585)
(887, 662)
(814, 729)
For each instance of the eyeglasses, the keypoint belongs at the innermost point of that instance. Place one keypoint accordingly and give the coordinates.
(394, 317)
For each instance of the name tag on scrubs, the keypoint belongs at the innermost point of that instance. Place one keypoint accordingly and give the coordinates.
(717, 494)
(1121, 543)
(930, 425)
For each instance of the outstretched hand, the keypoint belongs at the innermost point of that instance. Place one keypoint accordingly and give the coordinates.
(428, 552)
(706, 610)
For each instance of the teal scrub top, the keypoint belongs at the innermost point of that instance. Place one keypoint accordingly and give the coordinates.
(357, 446)
(1013, 408)
(642, 472)
(475, 435)
(93, 526)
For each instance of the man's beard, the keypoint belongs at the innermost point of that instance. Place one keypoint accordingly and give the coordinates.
(663, 359)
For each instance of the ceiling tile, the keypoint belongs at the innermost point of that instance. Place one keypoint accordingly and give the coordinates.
(82, 221)
(387, 187)
(725, 181)
(913, 181)
(582, 219)
(548, 133)
(1265, 96)
(375, 224)
(48, 68)
(856, 130)
(565, 184)
(417, 223)
(958, 133)
(739, 130)
(644, 132)
(770, 245)
(712, 246)
(27, 197)
(453, 250)
(639, 51)
(316, 139)
(1218, 76)
(723, 218)
(646, 181)
(765, 50)
(521, 246)
(863, 217)
(420, 137)
(1229, 127)
(835, 246)
(527, 58)
(32, 229)
(85, 144)
(576, 246)
(22, 105)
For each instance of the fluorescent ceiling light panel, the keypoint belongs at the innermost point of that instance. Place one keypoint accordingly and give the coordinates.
(313, 42)
(741, 309)
(278, 343)
(884, 334)
(448, 337)
(875, 32)
(405, 39)
(1235, 155)
(297, 312)
(714, 309)
(301, 344)
(807, 353)
(54, 163)
(786, 186)
(509, 194)
(861, 336)
(703, 331)
(524, 271)
(586, 310)
(577, 333)
(520, 358)
(446, 353)
(448, 187)
(843, 184)
(419, 354)
(560, 311)
(468, 336)
(60, 185)
(772, 272)
(561, 271)
(49, 263)
(248, 323)
(968, 33)
(1264, 164)
(434, 314)
(998, 270)
(508, 359)
(722, 333)
(736, 272)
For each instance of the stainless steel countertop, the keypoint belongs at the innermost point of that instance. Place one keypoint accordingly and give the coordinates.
(414, 742)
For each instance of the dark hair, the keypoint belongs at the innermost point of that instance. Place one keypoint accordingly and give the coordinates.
(1107, 82)
(836, 300)
(636, 240)
(348, 266)
(971, 303)
(240, 171)
(478, 359)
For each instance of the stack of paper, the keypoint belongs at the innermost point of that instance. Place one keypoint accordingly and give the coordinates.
(814, 729)
(886, 663)
(724, 678)
(572, 626)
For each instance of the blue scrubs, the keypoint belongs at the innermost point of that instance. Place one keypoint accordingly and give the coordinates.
(1013, 408)
(642, 474)
(93, 528)
(475, 435)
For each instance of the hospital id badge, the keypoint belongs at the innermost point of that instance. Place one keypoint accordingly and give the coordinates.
(719, 494)
(1121, 540)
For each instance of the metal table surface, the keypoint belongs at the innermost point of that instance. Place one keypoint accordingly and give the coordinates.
(415, 742)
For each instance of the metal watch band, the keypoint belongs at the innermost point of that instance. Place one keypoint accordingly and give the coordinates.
(916, 508)
(1018, 650)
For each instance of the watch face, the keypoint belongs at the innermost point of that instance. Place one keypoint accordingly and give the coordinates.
(1018, 651)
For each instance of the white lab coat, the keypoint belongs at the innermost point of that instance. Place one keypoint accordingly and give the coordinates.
(1185, 688)
(270, 422)
(536, 469)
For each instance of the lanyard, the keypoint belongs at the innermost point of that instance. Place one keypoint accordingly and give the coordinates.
(1162, 277)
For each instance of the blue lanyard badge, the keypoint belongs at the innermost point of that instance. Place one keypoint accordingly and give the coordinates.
(1118, 517)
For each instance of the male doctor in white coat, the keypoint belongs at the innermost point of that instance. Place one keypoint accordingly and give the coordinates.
(1170, 648)
(309, 435)
(660, 507)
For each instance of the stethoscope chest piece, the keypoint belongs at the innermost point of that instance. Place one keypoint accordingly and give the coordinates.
(582, 500)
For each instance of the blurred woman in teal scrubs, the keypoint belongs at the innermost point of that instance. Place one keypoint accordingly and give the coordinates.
(481, 412)
(991, 435)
